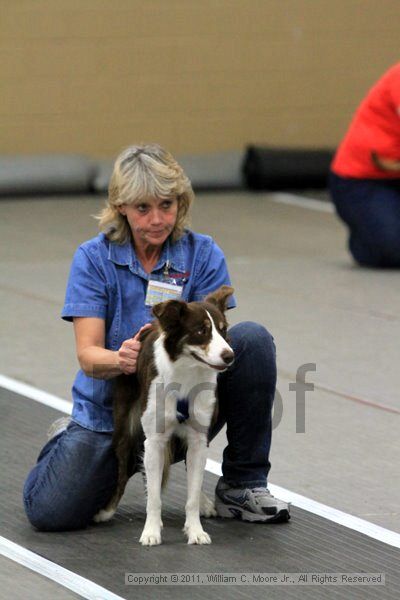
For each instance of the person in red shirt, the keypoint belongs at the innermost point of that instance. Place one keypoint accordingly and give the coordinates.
(365, 176)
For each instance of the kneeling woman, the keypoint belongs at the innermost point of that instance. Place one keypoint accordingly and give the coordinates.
(115, 279)
(365, 176)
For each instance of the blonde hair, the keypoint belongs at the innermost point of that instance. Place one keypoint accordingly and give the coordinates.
(140, 173)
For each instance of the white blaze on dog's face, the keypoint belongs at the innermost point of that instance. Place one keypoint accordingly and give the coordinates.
(197, 329)
(207, 343)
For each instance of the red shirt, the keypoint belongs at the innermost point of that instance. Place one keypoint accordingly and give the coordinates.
(375, 128)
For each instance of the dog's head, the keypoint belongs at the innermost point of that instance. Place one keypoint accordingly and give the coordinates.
(197, 329)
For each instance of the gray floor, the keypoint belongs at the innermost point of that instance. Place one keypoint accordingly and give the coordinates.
(17, 583)
(292, 273)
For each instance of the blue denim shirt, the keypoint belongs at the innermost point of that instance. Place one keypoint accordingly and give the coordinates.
(108, 281)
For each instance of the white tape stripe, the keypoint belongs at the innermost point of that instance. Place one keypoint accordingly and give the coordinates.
(302, 202)
(35, 394)
(336, 516)
(332, 514)
(84, 587)
(322, 510)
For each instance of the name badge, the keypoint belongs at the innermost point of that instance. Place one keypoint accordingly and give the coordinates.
(159, 291)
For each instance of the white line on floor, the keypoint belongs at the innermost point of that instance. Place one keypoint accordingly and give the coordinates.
(302, 202)
(332, 514)
(322, 510)
(84, 587)
(35, 394)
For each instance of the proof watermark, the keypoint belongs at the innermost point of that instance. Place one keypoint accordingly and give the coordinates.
(174, 389)
(318, 579)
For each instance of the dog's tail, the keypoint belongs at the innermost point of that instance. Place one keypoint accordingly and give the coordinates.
(175, 451)
(168, 458)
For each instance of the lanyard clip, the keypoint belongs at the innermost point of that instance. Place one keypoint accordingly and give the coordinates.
(166, 269)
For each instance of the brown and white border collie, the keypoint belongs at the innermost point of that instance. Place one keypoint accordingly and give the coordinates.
(173, 392)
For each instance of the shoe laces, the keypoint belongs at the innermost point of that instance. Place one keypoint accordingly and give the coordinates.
(262, 496)
(261, 491)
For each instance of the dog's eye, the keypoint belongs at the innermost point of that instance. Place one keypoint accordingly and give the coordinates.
(203, 330)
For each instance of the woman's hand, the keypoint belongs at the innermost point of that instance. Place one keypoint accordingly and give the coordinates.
(129, 352)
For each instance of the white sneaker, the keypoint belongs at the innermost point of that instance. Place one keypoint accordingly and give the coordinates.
(250, 504)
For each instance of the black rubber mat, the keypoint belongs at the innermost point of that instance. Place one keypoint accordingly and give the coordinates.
(104, 553)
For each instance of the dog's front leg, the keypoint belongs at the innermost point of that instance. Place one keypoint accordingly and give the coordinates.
(154, 453)
(195, 464)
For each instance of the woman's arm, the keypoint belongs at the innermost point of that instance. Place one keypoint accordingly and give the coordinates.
(386, 164)
(95, 360)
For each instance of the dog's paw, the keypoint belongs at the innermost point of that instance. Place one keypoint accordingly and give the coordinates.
(150, 537)
(104, 515)
(196, 535)
(207, 506)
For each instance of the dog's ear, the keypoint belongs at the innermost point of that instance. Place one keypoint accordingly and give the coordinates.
(170, 312)
(220, 297)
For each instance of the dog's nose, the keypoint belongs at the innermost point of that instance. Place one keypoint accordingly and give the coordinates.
(227, 356)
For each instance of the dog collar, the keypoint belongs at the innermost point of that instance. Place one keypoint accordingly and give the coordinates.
(182, 410)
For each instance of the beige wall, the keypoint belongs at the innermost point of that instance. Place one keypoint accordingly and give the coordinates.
(91, 76)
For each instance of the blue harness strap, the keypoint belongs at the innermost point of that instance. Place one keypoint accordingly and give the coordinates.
(182, 410)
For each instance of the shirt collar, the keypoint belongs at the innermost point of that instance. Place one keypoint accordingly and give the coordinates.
(172, 253)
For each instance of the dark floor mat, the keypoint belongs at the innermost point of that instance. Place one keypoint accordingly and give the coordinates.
(104, 553)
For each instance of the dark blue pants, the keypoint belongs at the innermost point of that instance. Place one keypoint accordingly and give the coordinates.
(371, 210)
(76, 472)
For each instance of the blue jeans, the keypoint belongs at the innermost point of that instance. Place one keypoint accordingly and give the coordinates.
(76, 472)
(371, 210)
